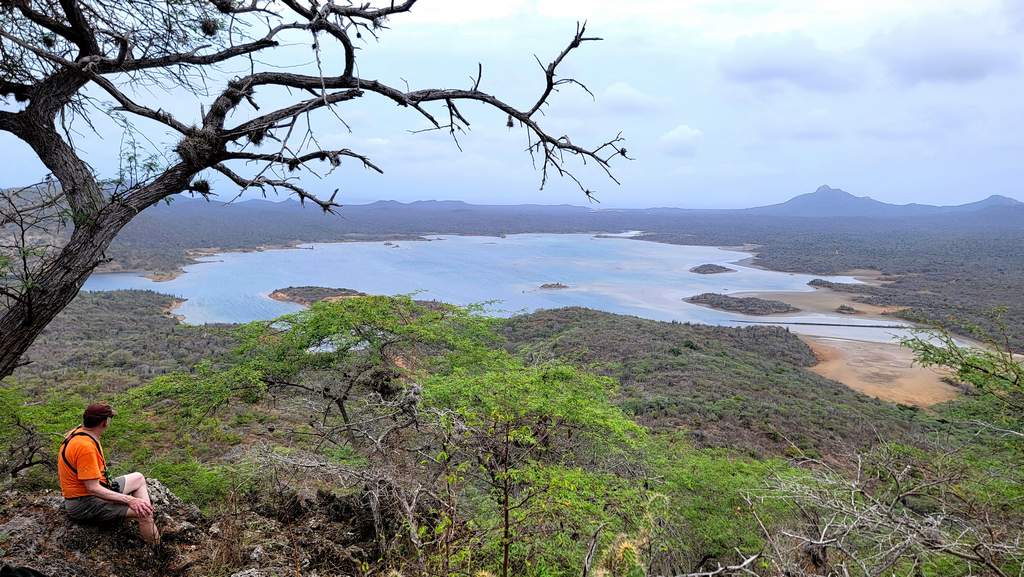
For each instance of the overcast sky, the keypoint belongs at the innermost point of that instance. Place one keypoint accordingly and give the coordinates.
(724, 103)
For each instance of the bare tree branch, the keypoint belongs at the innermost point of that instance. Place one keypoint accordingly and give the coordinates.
(55, 50)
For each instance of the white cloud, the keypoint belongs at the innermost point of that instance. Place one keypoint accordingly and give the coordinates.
(681, 140)
(462, 11)
(623, 98)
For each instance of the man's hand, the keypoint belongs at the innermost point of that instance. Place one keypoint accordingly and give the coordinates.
(141, 508)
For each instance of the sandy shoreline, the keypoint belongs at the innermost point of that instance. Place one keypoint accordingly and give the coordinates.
(170, 309)
(881, 370)
(885, 371)
(823, 300)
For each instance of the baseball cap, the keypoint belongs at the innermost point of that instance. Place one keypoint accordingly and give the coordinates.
(100, 410)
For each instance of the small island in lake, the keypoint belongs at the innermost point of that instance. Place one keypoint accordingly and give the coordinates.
(307, 295)
(743, 305)
(711, 269)
(554, 285)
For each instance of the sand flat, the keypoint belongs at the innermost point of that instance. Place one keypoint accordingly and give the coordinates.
(822, 300)
(881, 370)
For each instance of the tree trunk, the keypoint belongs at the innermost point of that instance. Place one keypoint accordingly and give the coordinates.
(52, 290)
(97, 220)
(506, 526)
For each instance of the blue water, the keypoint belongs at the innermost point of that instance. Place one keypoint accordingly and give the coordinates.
(612, 274)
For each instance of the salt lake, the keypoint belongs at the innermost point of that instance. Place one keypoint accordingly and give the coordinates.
(613, 274)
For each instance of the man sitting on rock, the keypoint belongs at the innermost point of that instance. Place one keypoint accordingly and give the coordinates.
(89, 495)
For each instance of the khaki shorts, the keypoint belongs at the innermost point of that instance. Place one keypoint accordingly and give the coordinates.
(95, 510)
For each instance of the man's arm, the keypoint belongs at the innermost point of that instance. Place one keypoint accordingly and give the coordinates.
(140, 507)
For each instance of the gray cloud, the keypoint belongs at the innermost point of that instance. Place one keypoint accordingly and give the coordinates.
(944, 51)
(791, 59)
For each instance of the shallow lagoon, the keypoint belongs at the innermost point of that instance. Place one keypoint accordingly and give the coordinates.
(608, 273)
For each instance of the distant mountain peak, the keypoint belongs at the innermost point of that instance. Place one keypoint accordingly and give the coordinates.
(834, 202)
(826, 190)
(1000, 199)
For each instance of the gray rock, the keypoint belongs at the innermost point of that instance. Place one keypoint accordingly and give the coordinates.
(268, 572)
(19, 525)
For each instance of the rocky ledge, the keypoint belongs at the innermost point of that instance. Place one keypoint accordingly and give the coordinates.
(37, 535)
(261, 534)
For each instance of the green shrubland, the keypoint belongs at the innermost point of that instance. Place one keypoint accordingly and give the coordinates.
(541, 444)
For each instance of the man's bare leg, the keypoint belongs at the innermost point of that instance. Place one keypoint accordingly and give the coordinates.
(135, 485)
(147, 527)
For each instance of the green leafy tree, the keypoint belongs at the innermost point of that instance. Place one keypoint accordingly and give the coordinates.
(525, 434)
(993, 371)
(502, 463)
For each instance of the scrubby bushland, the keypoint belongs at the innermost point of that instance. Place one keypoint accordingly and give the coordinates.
(306, 295)
(743, 305)
(466, 457)
(374, 434)
(952, 504)
(114, 340)
(730, 387)
(711, 269)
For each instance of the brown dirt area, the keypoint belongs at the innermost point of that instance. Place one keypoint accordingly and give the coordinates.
(881, 370)
(821, 300)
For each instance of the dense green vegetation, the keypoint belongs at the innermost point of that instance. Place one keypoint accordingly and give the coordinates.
(441, 442)
(744, 305)
(542, 441)
(742, 388)
(306, 295)
(711, 269)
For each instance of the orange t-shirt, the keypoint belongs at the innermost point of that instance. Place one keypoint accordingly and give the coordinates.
(87, 457)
